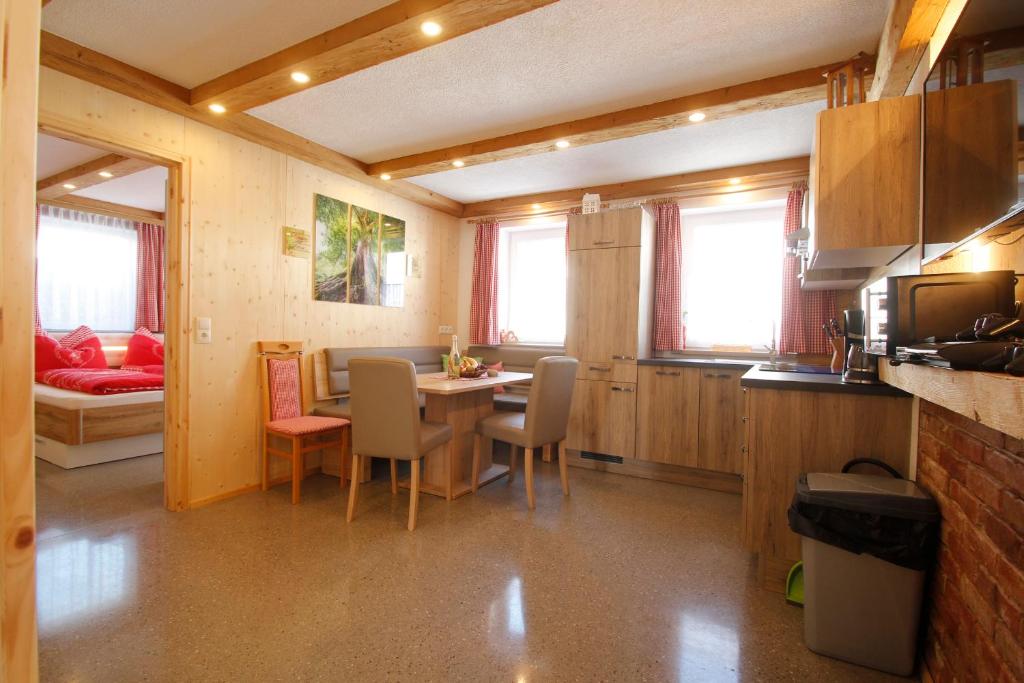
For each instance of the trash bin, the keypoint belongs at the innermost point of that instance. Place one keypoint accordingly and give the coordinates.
(867, 543)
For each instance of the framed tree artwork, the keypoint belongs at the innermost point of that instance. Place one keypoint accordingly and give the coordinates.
(359, 254)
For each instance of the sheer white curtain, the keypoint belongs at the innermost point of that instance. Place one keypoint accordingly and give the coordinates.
(87, 270)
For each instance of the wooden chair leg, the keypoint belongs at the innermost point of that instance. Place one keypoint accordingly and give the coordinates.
(394, 477)
(528, 462)
(353, 493)
(563, 467)
(341, 456)
(449, 466)
(546, 453)
(297, 469)
(414, 494)
(513, 455)
(265, 478)
(475, 472)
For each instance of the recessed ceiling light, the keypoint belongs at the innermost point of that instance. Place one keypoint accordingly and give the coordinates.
(385, 176)
(697, 117)
(536, 207)
(458, 163)
(69, 186)
(735, 181)
(431, 28)
(218, 108)
(562, 144)
(106, 174)
(300, 77)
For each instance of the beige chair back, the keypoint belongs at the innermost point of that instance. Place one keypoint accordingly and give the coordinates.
(547, 408)
(385, 411)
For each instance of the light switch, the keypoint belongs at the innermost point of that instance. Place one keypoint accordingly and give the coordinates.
(204, 331)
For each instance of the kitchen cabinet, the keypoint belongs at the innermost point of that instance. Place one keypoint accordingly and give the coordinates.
(609, 306)
(602, 418)
(865, 183)
(721, 420)
(668, 415)
(970, 173)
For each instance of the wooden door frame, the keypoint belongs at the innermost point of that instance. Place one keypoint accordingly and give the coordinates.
(178, 300)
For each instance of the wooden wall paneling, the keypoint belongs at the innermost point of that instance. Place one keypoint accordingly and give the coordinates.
(19, 49)
(721, 425)
(668, 415)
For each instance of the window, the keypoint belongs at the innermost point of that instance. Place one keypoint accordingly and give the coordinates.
(531, 283)
(732, 276)
(87, 271)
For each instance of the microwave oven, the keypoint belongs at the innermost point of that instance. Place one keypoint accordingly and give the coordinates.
(914, 309)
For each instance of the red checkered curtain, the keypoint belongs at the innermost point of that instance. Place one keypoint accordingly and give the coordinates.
(150, 284)
(803, 312)
(668, 261)
(483, 312)
(35, 293)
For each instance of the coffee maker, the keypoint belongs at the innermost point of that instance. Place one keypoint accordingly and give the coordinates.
(859, 366)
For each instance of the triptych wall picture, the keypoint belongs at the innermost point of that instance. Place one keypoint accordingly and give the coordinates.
(360, 254)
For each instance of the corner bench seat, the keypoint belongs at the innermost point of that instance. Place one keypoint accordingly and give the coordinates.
(514, 359)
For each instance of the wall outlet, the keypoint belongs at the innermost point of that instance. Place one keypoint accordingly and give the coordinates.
(204, 331)
(445, 329)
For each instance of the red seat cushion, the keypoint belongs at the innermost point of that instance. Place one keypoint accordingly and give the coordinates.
(500, 367)
(307, 424)
(143, 349)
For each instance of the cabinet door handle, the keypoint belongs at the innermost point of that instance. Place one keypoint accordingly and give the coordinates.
(743, 449)
(602, 242)
(664, 373)
(625, 390)
(712, 375)
(744, 418)
(616, 357)
(597, 369)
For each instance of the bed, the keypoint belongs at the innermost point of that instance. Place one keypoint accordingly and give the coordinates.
(74, 429)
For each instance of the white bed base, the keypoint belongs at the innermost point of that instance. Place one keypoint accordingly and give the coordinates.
(69, 457)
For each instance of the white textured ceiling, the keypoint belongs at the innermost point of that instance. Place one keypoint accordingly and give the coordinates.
(143, 190)
(568, 60)
(190, 42)
(764, 136)
(55, 155)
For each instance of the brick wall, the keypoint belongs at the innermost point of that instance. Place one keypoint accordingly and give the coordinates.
(976, 621)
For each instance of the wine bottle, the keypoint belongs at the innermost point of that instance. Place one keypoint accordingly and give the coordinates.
(454, 359)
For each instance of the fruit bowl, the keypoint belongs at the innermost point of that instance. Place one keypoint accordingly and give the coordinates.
(473, 373)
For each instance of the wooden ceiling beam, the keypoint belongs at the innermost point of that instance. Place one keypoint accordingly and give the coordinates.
(750, 176)
(913, 31)
(389, 32)
(786, 90)
(88, 174)
(103, 208)
(88, 65)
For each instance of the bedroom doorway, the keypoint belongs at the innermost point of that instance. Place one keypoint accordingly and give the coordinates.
(112, 256)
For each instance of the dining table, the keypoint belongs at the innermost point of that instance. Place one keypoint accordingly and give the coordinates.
(460, 403)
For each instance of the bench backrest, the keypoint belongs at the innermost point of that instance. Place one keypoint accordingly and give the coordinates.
(425, 358)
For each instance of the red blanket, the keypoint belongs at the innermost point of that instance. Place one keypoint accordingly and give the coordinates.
(97, 381)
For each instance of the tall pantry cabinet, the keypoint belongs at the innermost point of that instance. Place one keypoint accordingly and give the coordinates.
(608, 324)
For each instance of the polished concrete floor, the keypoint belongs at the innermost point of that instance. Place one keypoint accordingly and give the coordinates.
(626, 580)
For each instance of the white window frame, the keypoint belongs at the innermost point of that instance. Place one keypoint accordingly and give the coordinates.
(509, 236)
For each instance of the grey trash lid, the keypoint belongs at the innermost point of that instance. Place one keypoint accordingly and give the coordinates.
(867, 493)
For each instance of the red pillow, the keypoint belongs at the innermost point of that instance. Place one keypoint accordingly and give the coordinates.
(80, 348)
(143, 349)
(499, 366)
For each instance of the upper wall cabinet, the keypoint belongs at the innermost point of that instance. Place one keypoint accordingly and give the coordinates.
(970, 151)
(606, 229)
(865, 183)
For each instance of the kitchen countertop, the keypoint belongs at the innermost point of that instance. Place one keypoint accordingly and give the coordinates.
(699, 362)
(798, 381)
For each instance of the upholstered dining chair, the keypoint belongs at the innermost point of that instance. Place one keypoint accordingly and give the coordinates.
(285, 417)
(386, 423)
(546, 421)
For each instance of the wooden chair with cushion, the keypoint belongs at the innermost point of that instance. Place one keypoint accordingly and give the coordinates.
(546, 421)
(285, 418)
(386, 423)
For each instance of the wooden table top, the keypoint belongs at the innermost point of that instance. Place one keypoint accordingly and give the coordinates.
(438, 383)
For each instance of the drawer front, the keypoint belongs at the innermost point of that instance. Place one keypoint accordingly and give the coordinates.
(615, 371)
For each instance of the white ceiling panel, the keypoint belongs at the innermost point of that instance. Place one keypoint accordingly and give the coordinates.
(143, 190)
(190, 42)
(569, 60)
(55, 155)
(764, 136)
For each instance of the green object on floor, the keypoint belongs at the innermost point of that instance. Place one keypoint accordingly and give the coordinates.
(795, 585)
